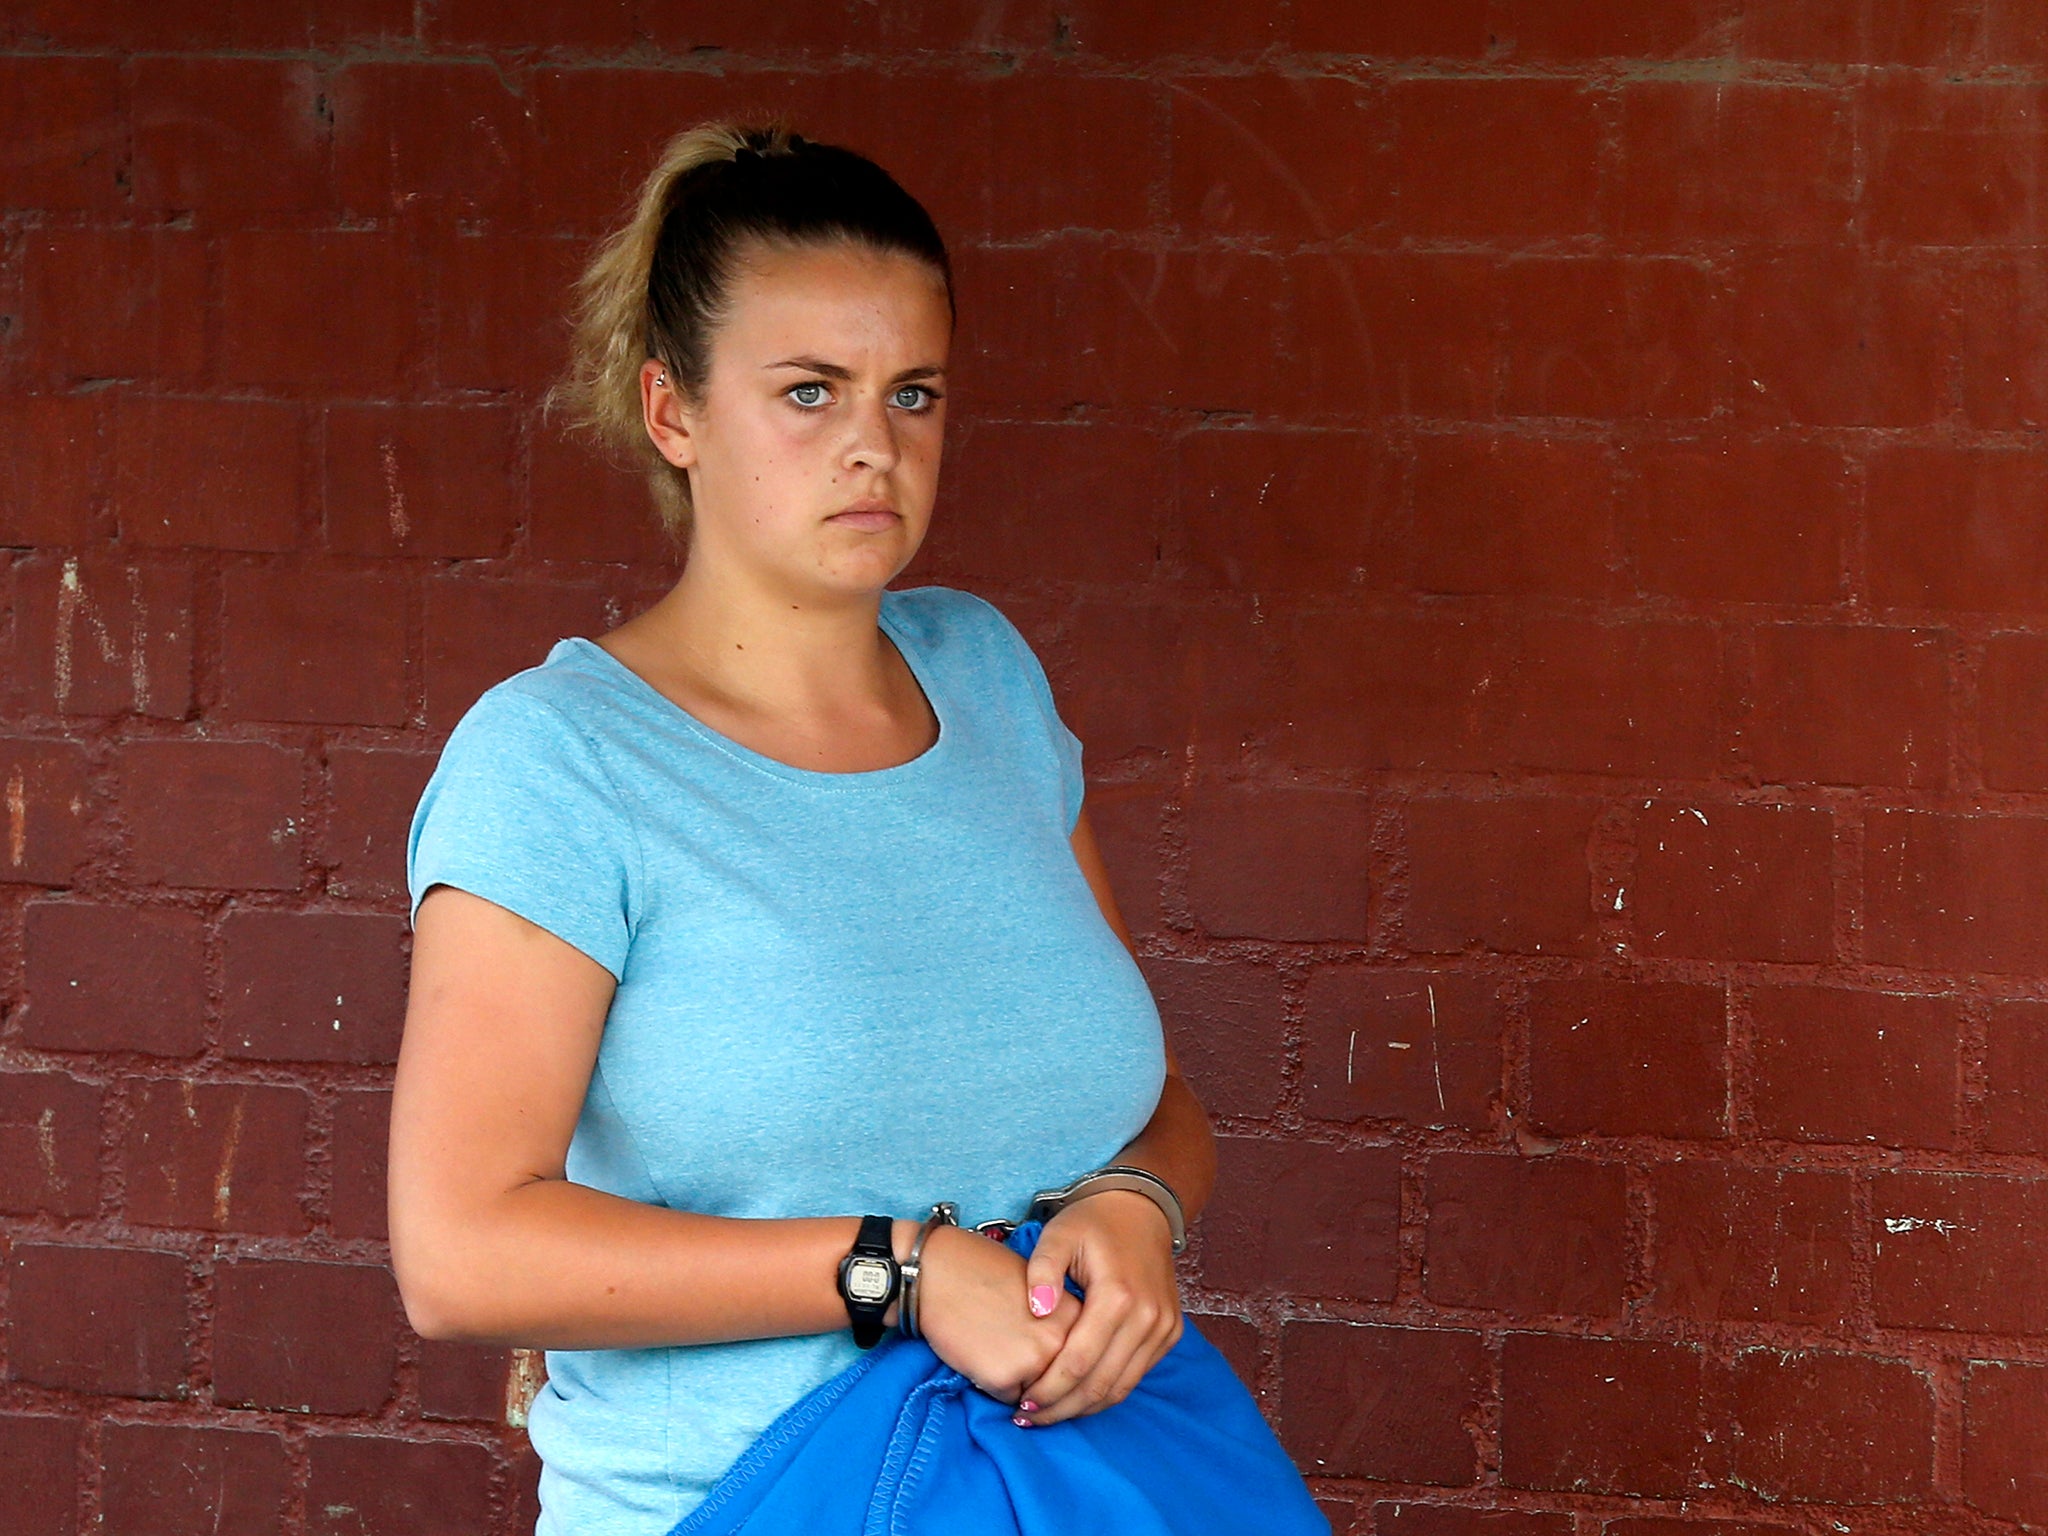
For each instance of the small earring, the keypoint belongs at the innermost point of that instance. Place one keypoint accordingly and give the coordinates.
(661, 378)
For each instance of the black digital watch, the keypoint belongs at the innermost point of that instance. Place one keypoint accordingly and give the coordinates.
(869, 1277)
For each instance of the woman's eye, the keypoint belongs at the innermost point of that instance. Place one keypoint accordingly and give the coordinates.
(796, 388)
(916, 389)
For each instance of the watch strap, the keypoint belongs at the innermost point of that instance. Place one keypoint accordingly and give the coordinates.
(869, 1278)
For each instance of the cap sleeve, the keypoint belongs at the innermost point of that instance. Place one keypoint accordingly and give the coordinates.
(1065, 745)
(520, 811)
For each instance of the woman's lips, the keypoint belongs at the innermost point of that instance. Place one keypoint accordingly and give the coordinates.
(870, 520)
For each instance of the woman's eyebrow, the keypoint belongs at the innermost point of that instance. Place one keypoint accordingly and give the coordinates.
(834, 371)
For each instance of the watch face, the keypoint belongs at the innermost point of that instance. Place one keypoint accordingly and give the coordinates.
(868, 1280)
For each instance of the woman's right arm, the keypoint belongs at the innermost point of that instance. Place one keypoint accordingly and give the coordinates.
(491, 1242)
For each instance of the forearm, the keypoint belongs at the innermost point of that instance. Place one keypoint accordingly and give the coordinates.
(1178, 1145)
(554, 1265)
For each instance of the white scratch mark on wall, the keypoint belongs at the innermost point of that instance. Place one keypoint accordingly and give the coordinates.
(223, 1173)
(46, 1149)
(1350, 1049)
(1436, 1064)
(394, 494)
(138, 652)
(17, 818)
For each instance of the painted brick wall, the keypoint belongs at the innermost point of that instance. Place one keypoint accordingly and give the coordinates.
(1534, 506)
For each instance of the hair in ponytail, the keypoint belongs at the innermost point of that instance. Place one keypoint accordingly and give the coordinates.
(660, 284)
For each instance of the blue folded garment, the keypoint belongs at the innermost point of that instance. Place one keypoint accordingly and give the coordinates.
(901, 1444)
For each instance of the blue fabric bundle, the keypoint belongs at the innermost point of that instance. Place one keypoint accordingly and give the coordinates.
(901, 1444)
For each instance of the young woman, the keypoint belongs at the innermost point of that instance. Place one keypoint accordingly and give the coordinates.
(774, 915)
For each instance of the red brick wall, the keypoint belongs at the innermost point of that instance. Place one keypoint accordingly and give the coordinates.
(1534, 506)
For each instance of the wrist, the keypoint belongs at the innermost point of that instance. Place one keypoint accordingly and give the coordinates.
(901, 1235)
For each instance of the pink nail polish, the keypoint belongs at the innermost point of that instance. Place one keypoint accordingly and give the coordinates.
(1043, 1299)
(1027, 1406)
(1020, 1421)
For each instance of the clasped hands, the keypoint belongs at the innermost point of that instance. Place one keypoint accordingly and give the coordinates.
(1084, 1354)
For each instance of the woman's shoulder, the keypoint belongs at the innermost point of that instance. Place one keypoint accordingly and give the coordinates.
(950, 618)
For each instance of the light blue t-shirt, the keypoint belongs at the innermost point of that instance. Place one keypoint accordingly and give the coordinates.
(837, 993)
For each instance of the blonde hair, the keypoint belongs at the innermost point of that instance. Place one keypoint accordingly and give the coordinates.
(659, 285)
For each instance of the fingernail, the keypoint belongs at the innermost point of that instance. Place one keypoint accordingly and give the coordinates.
(1042, 1300)
(1026, 1406)
(1020, 1421)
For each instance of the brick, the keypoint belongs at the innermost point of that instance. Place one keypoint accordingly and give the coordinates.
(39, 1464)
(368, 275)
(220, 474)
(1958, 528)
(1735, 882)
(1369, 691)
(49, 798)
(454, 137)
(1267, 157)
(1848, 31)
(474, 24)
(1303, 1219)
(106, 978)
(1269, 511)
(1225, 1020)
(315, 646)
(1763, 162)
(1181, 676)
(49, 1144)
(463, 1381)
(501, 304)
(1030, 497)
(375, 793)
(1428, 326)
(1237, 1341)
(178, 25)
(2015, 1065)
(1455, 29)
(1512, 514)
(1405, 1519)
(1504, 159)
(599, 130)
(316, 1338)
(99, 1319)
(1385, 1403)
(1605, 337)
(62, 120)
(1683, 1527)
(192, 1481)
(360, 1485)
(1849, 705)
(2013, 711)
(1628, 1058)
(434, 480)
(1082, 144)
(1831, 1427)
(312, 986)
(357, 1154)
(51, 476)
(1525, 1235)
(246, 793)
(1401, 1045)
(1531, 29)
(586, 508)
(1742, 1244)
(242, 136)
(1505, 875)
(1965, 1252)
(1600, 1415)
(1585, 696)
(1279, 862)
(2005, 1439)
(1733, 519)
(96, 635)
(2005, 381)
(115, 303)
(1207, 29)
(1829, 337)
(1955, 893)
(219, 1157)
(1951, 164)
(1838, 1065)
(481, 632)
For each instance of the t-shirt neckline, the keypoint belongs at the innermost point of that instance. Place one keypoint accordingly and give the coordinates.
(860, 778)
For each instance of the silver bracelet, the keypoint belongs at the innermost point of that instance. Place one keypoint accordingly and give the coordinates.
(1140, 1181)
(944, 1214)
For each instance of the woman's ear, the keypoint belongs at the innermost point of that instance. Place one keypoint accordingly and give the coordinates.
(667, 418)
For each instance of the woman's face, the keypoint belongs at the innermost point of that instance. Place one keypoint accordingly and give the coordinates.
(826, 391)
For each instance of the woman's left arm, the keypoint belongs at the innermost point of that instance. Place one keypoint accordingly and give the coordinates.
(1116, 1244)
